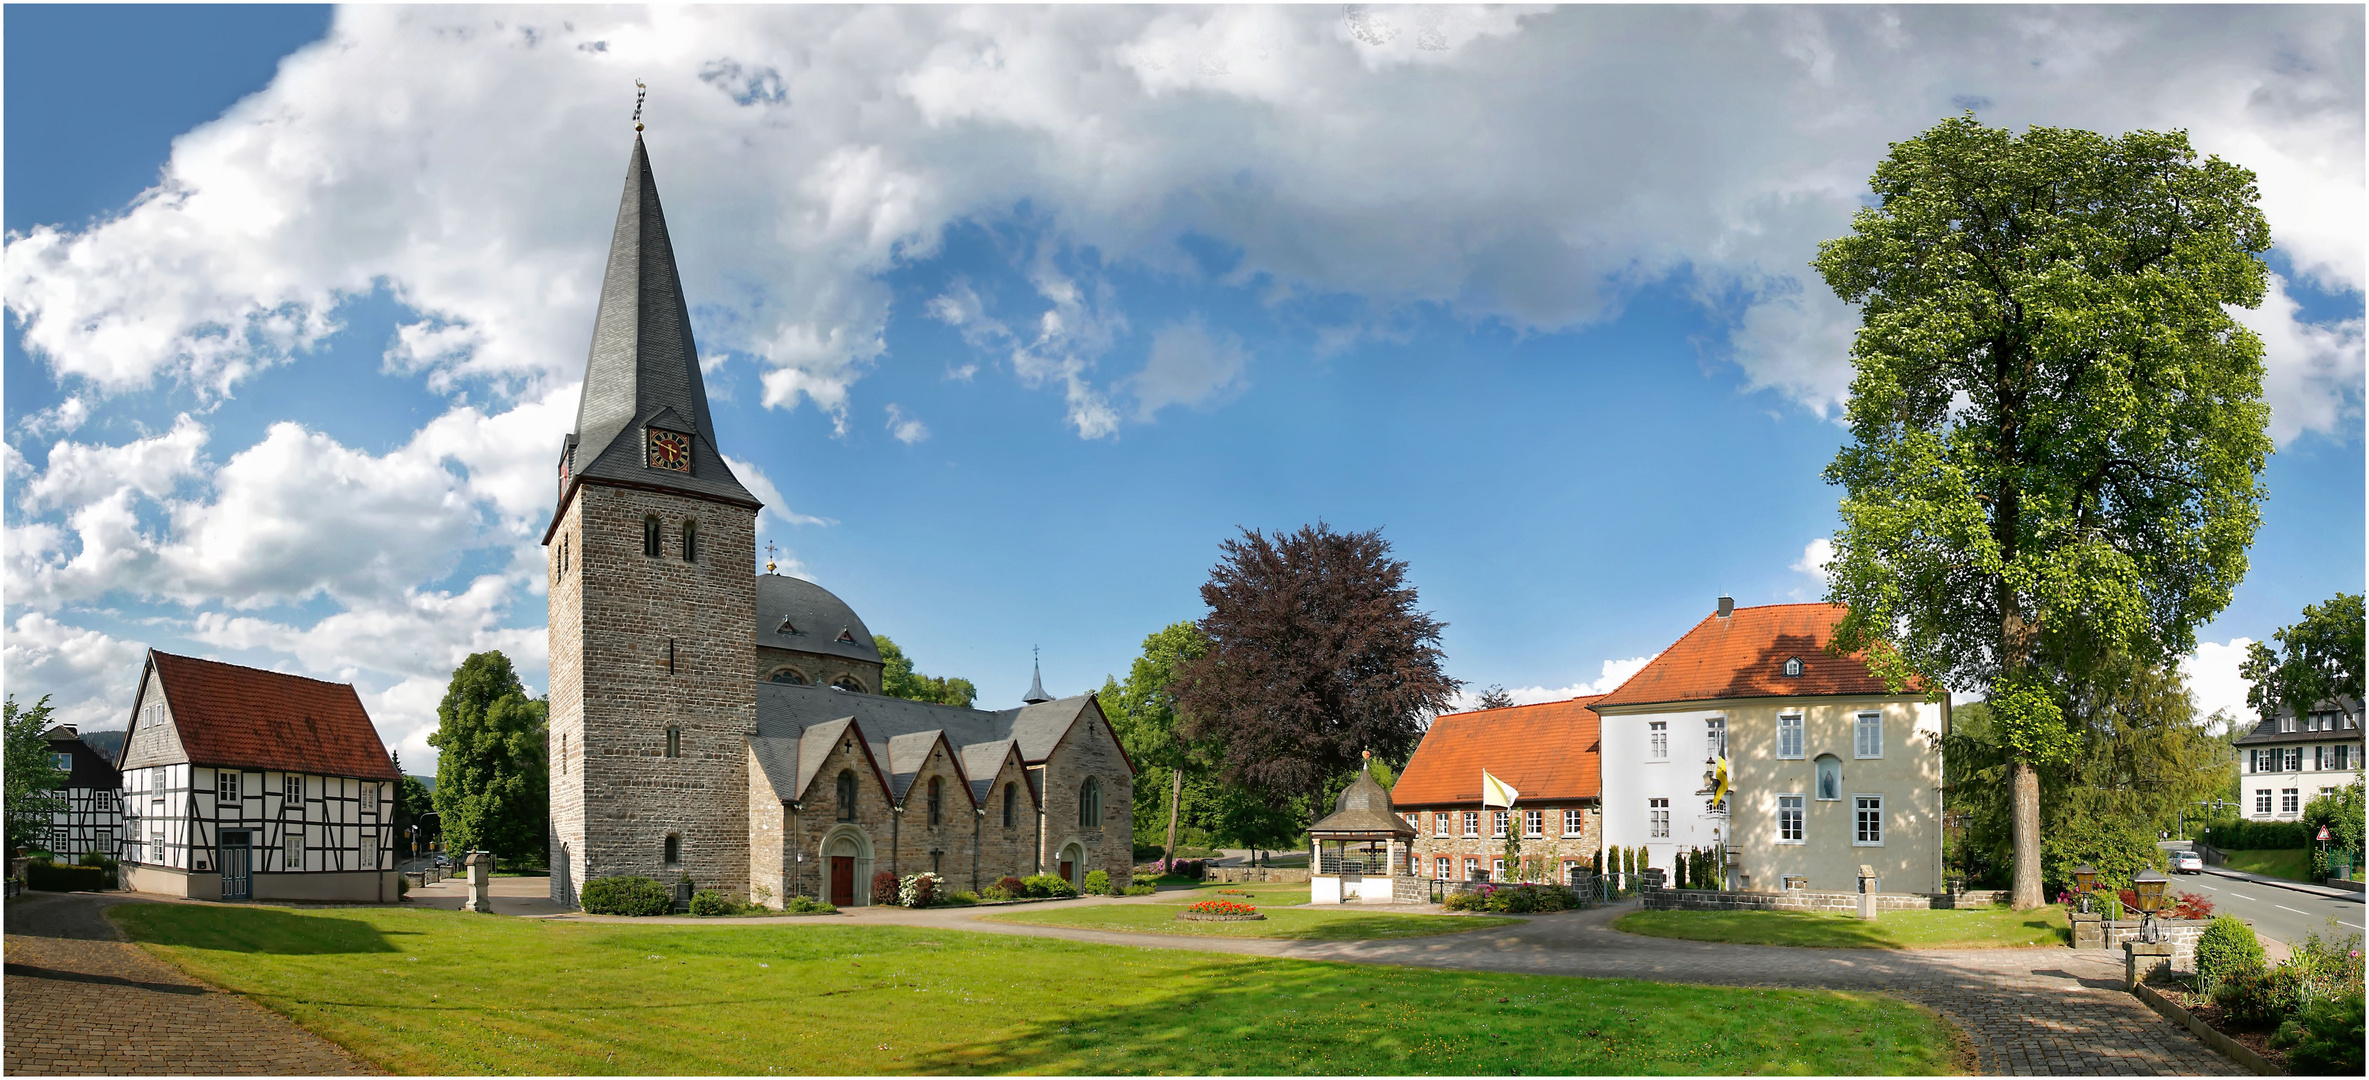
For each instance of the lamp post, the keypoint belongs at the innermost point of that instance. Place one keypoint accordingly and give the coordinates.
(2085, 878)
(2149, 886)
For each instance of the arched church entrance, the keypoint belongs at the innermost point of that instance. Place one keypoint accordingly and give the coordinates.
(1071, 864)
(846, 867)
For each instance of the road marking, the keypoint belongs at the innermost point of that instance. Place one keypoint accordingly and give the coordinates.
(2283, 907)
(2202, 885)
(2243, 896)
(2354, 925)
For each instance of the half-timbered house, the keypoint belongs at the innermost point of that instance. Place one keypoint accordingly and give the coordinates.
(91, 821)
(240, 783)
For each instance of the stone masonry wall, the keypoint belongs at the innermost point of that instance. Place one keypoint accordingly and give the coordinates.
(634, 686)
(1008, 851)
(819, 669)
(1553, 846)
(1089, 750)
(565, 728)
(768, 824)
(1791, 900)
(818, 817)
(949, 841)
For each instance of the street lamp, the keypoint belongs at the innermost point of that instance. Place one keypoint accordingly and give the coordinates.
(2149, 886)
(2085, 878)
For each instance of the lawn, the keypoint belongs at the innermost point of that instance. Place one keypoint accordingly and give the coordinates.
(2294, 864)
(1970, 928)
(448, 992)
(1344, 923)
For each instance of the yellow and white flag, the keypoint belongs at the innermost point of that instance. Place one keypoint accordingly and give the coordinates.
(1495, 792)
(1719, 783)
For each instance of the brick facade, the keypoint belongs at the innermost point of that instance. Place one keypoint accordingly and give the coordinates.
(1557, 849)
(650, 644)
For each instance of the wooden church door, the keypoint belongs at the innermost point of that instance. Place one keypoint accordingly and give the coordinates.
(843, 880)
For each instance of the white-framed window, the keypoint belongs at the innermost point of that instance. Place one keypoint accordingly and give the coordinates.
(1657, 816)
(226, 786)
(1660, 730)
(1446, 867)
(292, 848)
(1497, 824)
(1472, 869)
(2291, 801)
(1715, 737)
(1793, 666)
(1789, 743)
(1533, 823)
(370, 798)
(1439, 824)
(1868, 736)
(1575, 822)
(2345, 758)
(1497, 869)
(291, 791)
(1790, 812)
(2261, 800)
(1409, 817)
(369, 851)
(63, 762)
(2294, 759)
(1472, 824)
(1830, 778)
(1867, 821)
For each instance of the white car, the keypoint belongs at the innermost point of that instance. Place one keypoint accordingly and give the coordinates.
(2186, 862)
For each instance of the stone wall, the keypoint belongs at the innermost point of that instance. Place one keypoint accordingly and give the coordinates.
(2180, 934)
(818, 669)
(639, 645)
(818, 824)
(1405, 889)
(1008, 850)
(1237, 874)
(1089, 750)
(1553, 847)
(1793, 900)
(769, 882)
(943, 846)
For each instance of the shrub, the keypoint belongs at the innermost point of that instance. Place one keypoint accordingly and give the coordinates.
(711, 902)
(807, 905)
(1141, 890)
(2189, 905)
(884, 888)
(2254, 998)
(1049, 885)
(996, 892)
(50, 877)
(1012, 888)
(1097, 882)
(627, 895)
(918, 890)
(2226, 947)
(1678, 869)
(964, 897)
(98, 859)
(2324, 1038)
(402, 885)
(2327, 967)
(1465, 901)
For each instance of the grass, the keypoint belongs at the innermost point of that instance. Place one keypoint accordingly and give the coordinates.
(2294, 864)
(1303, 924)
(1971, 928)
(448, 992)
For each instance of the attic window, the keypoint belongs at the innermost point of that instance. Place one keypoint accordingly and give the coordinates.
(846, 636)
(1793, 666)
(786, 628)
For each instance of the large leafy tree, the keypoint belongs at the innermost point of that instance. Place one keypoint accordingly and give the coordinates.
(493, 787)
(2318, 660)
(898, 679)
(1143, 710)
(1316, 654)
(33, 779)
(2057, 427)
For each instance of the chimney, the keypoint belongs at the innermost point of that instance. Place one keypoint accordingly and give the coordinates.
(1727, 606)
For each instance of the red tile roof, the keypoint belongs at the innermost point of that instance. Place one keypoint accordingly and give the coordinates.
(1744, 655)
(256, 719)
(1546, 751)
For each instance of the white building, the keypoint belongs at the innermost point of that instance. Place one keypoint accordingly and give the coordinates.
(2287, 760)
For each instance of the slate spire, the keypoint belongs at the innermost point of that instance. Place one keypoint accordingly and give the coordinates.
(643, 371)
(1036, 681)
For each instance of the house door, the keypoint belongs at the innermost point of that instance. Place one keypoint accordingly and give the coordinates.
(843, 880)
(233, 859)
(1069, 871)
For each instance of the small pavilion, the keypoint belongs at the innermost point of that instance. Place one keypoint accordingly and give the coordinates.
(1359, 850)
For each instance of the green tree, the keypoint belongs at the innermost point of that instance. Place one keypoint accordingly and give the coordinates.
(33, 779)
(2057, 428)
(898, 679)
(412, 801)
(2321, 662)
(1144, 714)
(493, 786)
(2341, 813)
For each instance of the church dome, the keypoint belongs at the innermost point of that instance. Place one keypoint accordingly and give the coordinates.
(801, 616)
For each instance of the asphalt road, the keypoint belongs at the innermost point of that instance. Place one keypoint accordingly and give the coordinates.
(2281, 914)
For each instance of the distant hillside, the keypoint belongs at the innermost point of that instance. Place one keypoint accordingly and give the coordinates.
(428, 781)
(107, 743)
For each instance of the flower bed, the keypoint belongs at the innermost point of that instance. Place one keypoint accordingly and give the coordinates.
(1219, 911)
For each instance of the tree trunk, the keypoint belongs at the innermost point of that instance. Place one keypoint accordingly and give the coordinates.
(1175, 794)
(2024, 788)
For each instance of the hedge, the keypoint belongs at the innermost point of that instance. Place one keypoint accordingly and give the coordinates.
(50, 877)
(2259, 835)
(627, 896)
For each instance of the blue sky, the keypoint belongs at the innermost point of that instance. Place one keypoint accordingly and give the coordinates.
(1019, 313)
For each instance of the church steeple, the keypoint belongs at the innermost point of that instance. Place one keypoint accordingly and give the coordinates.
(1036, 681)
(643, 419)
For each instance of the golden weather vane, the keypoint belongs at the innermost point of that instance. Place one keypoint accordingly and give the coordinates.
(640, 90)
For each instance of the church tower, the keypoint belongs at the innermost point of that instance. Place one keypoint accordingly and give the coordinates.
(649, 552)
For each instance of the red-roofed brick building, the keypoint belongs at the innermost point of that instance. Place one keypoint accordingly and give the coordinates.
(240, 783)
(1830, 770)
(1547, 752)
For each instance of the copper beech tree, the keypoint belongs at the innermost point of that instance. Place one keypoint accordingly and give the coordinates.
(1316, 653)
(2057, 428)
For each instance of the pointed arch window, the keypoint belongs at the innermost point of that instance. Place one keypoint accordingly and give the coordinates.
(690, 541)
(846, 795)
(937, 803)
(1090, 804)
(651, 538)
(1011, 801)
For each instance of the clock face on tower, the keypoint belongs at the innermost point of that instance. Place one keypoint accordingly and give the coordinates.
(670, 450)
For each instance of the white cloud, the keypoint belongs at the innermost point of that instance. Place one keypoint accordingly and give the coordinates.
(1814, 557)
(89, 676)
(1189, 365)
(1609, 678)
(2311, 372)
(2213, 681)
(761, 486)
(77, 473)
(906, 429)
(1535, 166)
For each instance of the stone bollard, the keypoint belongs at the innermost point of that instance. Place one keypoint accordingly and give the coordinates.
(2089, 931)
(1867, 887)
(2140, 960)
(481, 871)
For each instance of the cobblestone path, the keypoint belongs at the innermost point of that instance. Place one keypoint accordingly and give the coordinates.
(83, 1001)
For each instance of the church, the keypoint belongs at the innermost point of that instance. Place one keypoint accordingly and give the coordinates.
(719, 727)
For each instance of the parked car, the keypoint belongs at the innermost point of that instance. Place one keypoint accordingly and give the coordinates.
(2187, 862)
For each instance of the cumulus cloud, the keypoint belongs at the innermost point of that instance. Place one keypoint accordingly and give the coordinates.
(2213, 681)
(1189, 365)
(89, 676)
(2311, 371)
(1609, 678)
(761, 486)
(1814, 557)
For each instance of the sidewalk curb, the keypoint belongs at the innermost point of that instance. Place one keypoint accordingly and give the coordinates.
(2293, 886)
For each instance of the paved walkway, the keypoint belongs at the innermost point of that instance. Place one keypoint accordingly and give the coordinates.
(83, 1001)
